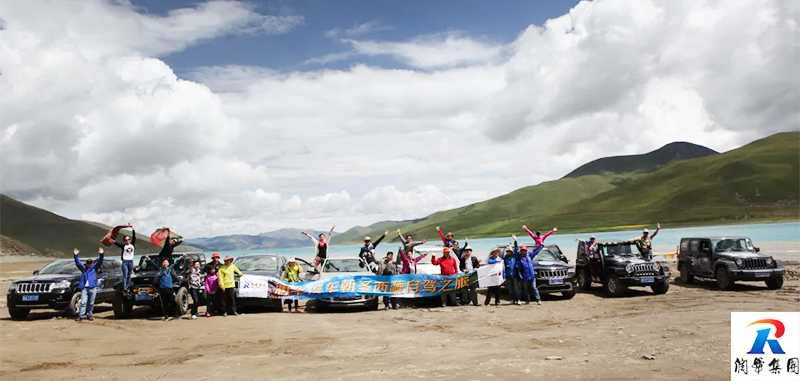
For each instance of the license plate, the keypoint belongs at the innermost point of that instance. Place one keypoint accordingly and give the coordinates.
(143, 297)
(648, 280)
(556, 281)
(763, 274)
(30, 298)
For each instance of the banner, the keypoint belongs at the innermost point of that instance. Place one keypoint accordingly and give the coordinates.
(160, 235)
(112, 234)
(398, 286)
(491, 275)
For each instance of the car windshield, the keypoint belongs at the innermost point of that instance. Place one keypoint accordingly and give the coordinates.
(555, 249)
(546, 256)
(257, 263)
(61, 267)
(144, 265)
(733, 244)
(344, 266)
(619, 249)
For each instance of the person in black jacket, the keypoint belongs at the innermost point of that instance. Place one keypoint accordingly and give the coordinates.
(467, 265)
(169, 247)
(367, 252)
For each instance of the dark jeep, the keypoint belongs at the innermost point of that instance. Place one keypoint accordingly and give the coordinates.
(55, 287)
(143, 288)
(553, 274)
(727, 259)
(620, 265)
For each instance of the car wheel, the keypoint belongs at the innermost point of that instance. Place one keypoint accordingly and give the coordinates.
(123, 308)
(660, 287)
(723, 279)
(182, 301)
(584, 279)
(686, 276)
(568, 294)
(775, 283)
(74, 305)
(18, 313)
(374, 305)
(614, 286)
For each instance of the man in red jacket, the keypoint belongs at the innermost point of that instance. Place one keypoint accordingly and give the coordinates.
(448, 266)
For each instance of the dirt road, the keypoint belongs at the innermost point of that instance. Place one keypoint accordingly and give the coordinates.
(687, 331)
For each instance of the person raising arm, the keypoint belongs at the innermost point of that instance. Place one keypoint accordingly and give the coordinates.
(538, 238)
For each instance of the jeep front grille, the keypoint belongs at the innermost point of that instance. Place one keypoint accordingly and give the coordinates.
(754, 263)
(34, 288)
(544, 274)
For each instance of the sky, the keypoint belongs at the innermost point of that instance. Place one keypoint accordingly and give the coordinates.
(223, 117)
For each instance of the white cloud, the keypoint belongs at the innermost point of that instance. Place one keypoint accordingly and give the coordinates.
(95, 126)
(360, 29)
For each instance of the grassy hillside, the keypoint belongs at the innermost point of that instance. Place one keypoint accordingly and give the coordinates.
(645, 163)
(25, 228)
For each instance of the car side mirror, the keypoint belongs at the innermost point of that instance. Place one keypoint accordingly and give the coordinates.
(758, 249)
(35, 272)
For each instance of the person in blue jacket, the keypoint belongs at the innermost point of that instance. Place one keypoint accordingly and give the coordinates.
(87, 284)
(165, 280)
(524, 274)
(494, 257)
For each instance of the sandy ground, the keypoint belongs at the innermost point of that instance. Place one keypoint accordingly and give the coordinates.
(687, 331)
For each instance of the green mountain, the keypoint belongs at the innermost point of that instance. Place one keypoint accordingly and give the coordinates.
(757, 181)
(282, 238)
(26, 229)
(646, 163)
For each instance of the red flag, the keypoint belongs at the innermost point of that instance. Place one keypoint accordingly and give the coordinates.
(111, 237)
(159, 236)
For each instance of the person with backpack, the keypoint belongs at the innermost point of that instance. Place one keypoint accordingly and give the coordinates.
(367, 252)
(87, 284)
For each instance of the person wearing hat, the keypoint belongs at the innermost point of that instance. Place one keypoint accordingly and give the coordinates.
(644, 242)
(367, 253)
(226, 285)
(214, 263)
(292, 274)
(88, 283)
(524, 273)
(467, 265)
(447, 266)
(447, 239)
(590, 249)
(494, 257)
(538, 238)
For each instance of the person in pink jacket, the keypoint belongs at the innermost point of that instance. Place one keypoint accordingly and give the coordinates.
(409, 262)
(212, 286)
(538, 238)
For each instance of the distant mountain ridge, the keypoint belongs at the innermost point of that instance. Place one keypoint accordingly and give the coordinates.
(647, 162)
(283, 238)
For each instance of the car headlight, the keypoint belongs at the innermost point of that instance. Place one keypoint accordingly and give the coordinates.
(739, 262)
(629, 268)
(62, 284)
(12, 286)
(769, 260)
(656, 267)
(570, 271)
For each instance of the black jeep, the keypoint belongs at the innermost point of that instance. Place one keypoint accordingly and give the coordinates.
(620, 265)
(553, 273)
(143, 287)
(727, 259)
(55, 287)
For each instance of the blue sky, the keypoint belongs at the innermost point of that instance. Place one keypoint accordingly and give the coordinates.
(397, 21)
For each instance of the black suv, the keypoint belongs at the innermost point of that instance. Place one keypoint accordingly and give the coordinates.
(553, 274)
(143, 287)
(620, 267)
(727, 259)
(55, 287)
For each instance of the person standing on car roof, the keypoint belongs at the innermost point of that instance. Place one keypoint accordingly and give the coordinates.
(590, 248)
(538, 238)
(227, 284)
(447, 239)
(387, 267)
(468, 264)
(644, 242)
(196, 286)
(409, 243)
(127, 252)
(87, 284)
(168, 248)
(524, 273)
(213, 264)
(166, 278)
(320, 246)
(292, 274)
(447, 266)
(367, 253)
(494, 257)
